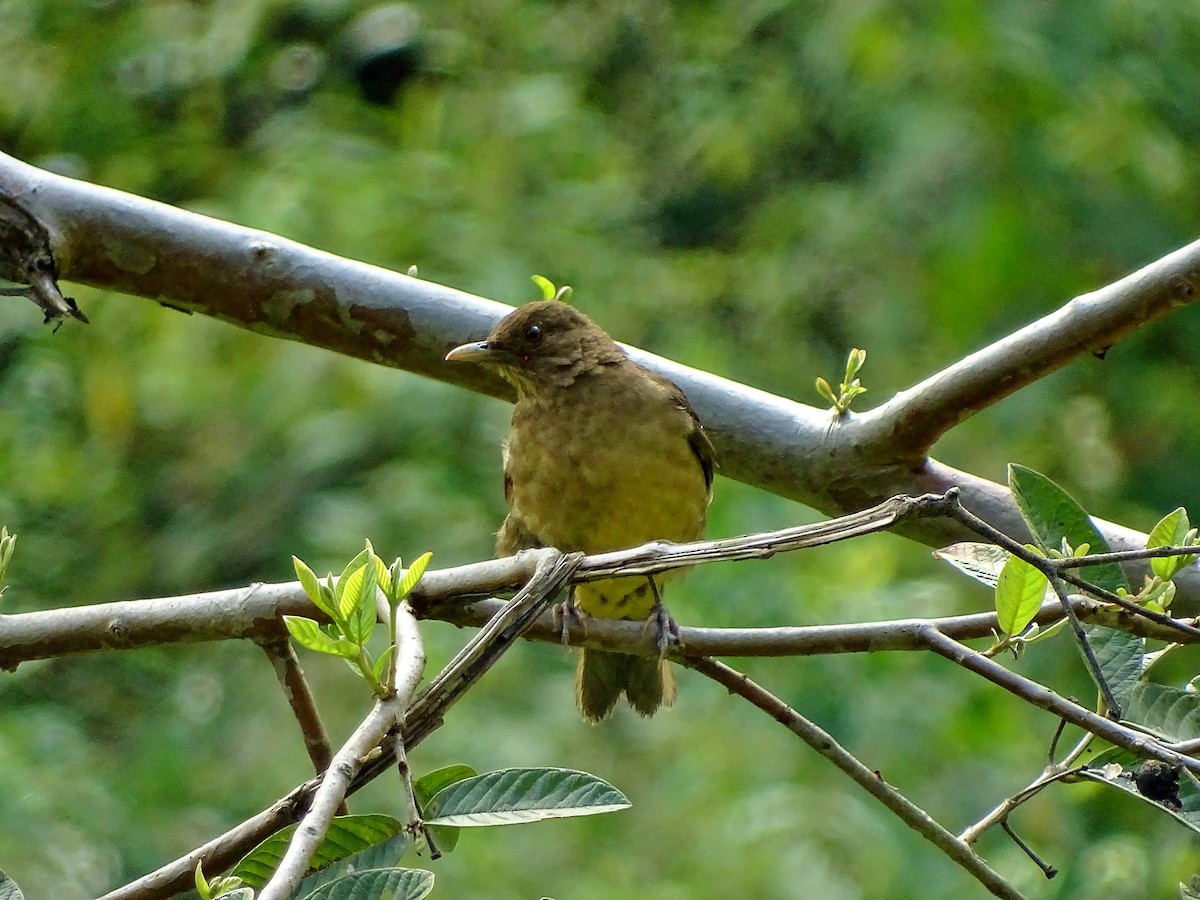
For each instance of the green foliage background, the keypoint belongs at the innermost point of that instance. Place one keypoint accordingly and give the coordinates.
(748, 187)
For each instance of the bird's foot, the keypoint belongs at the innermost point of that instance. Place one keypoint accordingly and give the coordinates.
(666, 631)
(566, 615)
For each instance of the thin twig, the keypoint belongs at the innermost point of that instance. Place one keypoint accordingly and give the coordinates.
(1129, 606)
(410, 648)
(821, 741)
(1085, 647)
(1042, 697)
(1048, 870)
(1054, 772)
(253, 612)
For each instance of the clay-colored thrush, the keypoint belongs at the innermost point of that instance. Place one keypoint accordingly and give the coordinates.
(603, 455)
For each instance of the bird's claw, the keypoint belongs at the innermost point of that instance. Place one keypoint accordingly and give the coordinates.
(566, 615)
(666, 631)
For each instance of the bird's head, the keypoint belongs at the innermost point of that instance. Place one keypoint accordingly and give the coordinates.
(542, 344)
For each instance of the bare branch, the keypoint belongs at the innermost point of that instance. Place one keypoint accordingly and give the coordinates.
(1054, 771)
(1042, 697)
(909, 424)
(26, 257)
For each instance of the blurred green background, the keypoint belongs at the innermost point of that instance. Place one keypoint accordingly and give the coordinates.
(748, 187)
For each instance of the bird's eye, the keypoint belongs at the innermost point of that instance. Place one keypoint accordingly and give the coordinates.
(533, 334)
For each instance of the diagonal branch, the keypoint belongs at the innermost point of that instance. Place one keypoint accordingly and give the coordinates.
(908, 425)
(821, 741)
(300, 699)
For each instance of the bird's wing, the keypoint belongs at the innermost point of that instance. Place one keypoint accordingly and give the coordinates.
(514, 535)
(697, 438)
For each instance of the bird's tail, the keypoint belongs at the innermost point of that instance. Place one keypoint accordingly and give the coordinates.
(602, 677)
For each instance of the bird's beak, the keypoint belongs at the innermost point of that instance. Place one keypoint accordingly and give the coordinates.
(477, 352)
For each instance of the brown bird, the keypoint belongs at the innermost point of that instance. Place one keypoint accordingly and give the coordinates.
(603, 455)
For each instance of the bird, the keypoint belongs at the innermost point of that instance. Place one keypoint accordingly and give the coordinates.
(603, 454)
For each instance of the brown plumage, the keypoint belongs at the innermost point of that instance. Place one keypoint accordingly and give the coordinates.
(603, 455)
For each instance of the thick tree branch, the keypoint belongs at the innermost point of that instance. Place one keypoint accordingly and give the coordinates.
(910, 423)
(280, 288)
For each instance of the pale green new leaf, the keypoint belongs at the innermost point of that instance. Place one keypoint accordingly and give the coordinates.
(412, 575)
(363, 615)
(511, 796)
(1171, 530)
(545, 285)
(308, 634)
(8, 543)
(358, 562)
(312, 586)
(1019, 592)
(382, 576)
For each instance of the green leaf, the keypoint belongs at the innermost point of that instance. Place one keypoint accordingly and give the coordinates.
(347, 835)
(1041, 634)
(426, 787)
(362, 616)
(359, 561)
(8, 543)
(511, 796)
(9, 889)
(430, 783)
(377, 884)
(378, 670)
(384, 855)
(308, 634)
(311, 585)
(1191, 890)
(1121, 657)
(546, 286)
(1019, 593)
(1171, 531)
(1053, 515)
(383, 577)
(826, 392)
(412, 575)
(1171, 713)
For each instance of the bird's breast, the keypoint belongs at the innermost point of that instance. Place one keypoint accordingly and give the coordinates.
(593, 473)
